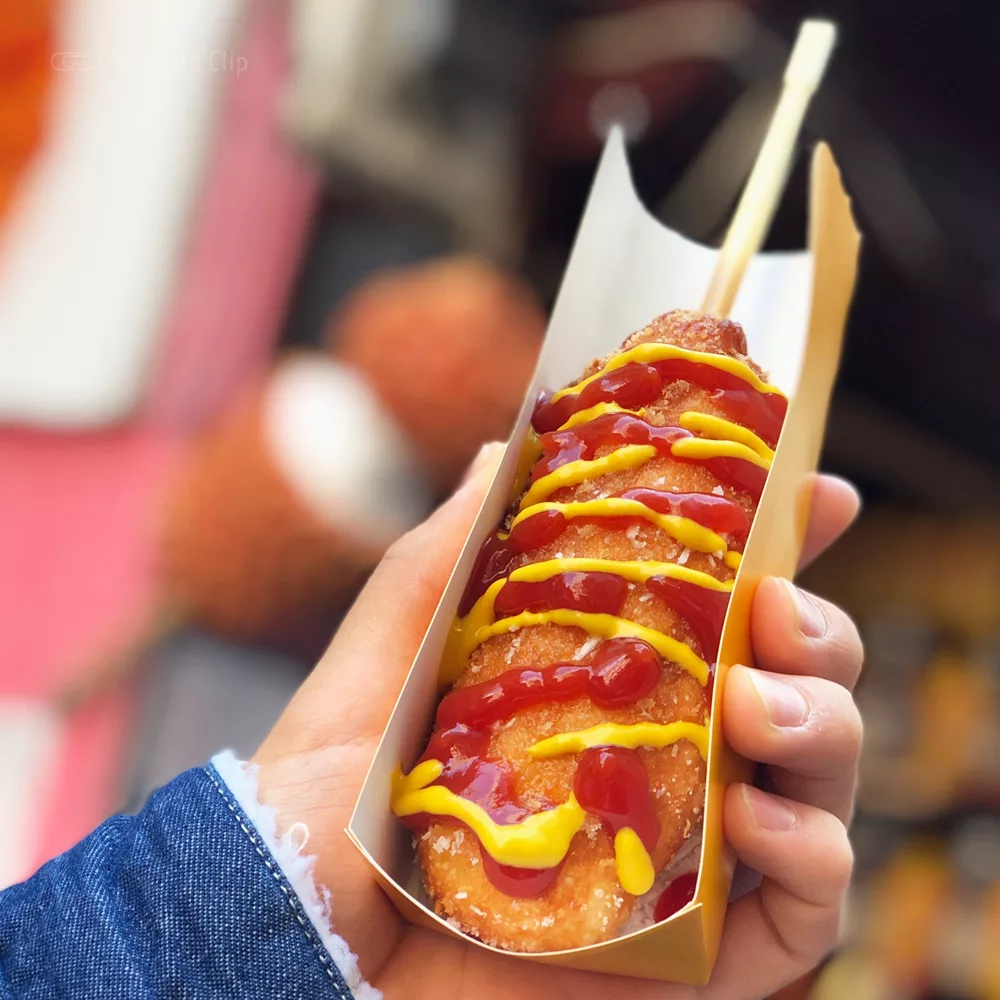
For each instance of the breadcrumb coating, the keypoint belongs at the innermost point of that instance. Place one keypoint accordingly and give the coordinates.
(586, 904)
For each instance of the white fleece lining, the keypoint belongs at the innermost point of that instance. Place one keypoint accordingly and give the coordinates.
(241, 780)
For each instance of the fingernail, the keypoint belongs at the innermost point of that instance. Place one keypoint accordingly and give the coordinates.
(811, 617)
(769, 812)
(784, 703)
(480, 462)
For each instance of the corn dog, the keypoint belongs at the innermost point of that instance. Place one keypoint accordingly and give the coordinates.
(567, 763)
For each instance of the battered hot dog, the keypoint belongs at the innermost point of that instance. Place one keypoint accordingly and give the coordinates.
(567, 764)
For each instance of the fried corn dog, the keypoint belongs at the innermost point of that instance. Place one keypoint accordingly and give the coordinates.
(567, 764)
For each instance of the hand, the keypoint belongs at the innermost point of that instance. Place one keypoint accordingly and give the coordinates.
(793, 713)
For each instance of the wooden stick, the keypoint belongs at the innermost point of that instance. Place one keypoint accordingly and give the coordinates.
(759, 201)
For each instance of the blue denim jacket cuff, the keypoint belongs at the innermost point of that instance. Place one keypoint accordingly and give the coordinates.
(195, 895)
(293, 870)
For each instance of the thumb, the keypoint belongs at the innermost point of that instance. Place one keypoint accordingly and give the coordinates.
(360, 675)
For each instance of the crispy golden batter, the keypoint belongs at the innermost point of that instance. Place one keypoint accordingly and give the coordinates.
(586, 904)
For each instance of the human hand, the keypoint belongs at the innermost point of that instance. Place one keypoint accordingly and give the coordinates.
(794, 713)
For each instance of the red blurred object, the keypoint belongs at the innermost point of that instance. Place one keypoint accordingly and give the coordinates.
(77, 519)
(449, 347)
(241, 552)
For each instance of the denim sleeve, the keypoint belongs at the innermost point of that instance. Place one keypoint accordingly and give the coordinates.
(184, 900)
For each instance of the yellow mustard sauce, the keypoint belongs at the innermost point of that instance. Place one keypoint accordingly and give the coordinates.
(479, 624)
(540, 841)
(686, 531)
(633, 865)
(655, 735)
(723, 439)
(600, 626)
(582, 470)
(598, 410)
(651, 352)
(710, 426)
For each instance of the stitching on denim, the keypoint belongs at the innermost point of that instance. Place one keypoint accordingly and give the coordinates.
(325, 959)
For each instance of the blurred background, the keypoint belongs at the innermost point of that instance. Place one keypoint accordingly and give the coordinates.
(271, 271)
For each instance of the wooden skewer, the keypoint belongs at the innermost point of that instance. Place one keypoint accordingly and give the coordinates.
(764, 188)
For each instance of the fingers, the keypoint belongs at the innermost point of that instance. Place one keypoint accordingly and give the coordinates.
(807, 728)
(803, 850)
(795, 632)
(362, 671)
(794, 712)
(835, 504)
(781, 930)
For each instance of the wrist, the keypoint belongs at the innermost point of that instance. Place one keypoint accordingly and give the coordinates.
(279, 800)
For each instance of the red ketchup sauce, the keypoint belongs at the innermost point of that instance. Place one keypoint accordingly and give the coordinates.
(621, 672)
(519, 883)
(498, 556)
(495, 560)
(591, 593)
(490, 784)
(703, 609)
(605, 593)
(611, 782)
(582, 442)
(718, 513)
(637, 384)
(676, 896)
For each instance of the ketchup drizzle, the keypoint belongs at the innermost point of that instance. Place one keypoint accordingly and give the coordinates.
(717, 513)
(605, 593)
(637, 384)
(591, 593)
(676, 896)
(611, 782)
(582, 442)
(621, 672)
(497, 556)
(495, 560)
(519, 883)
(703, 609)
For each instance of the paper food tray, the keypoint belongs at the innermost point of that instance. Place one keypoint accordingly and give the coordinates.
(625, 269)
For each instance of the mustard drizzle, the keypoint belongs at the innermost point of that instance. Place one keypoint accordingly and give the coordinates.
(595, 411)
(633, 865)
(582, 470)
(539, 841)
(711, 426)
(542, 839)
(684, 529)
(465, 638)
(723, 439)
(479, 624)
(631, 736)
(651, 352)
